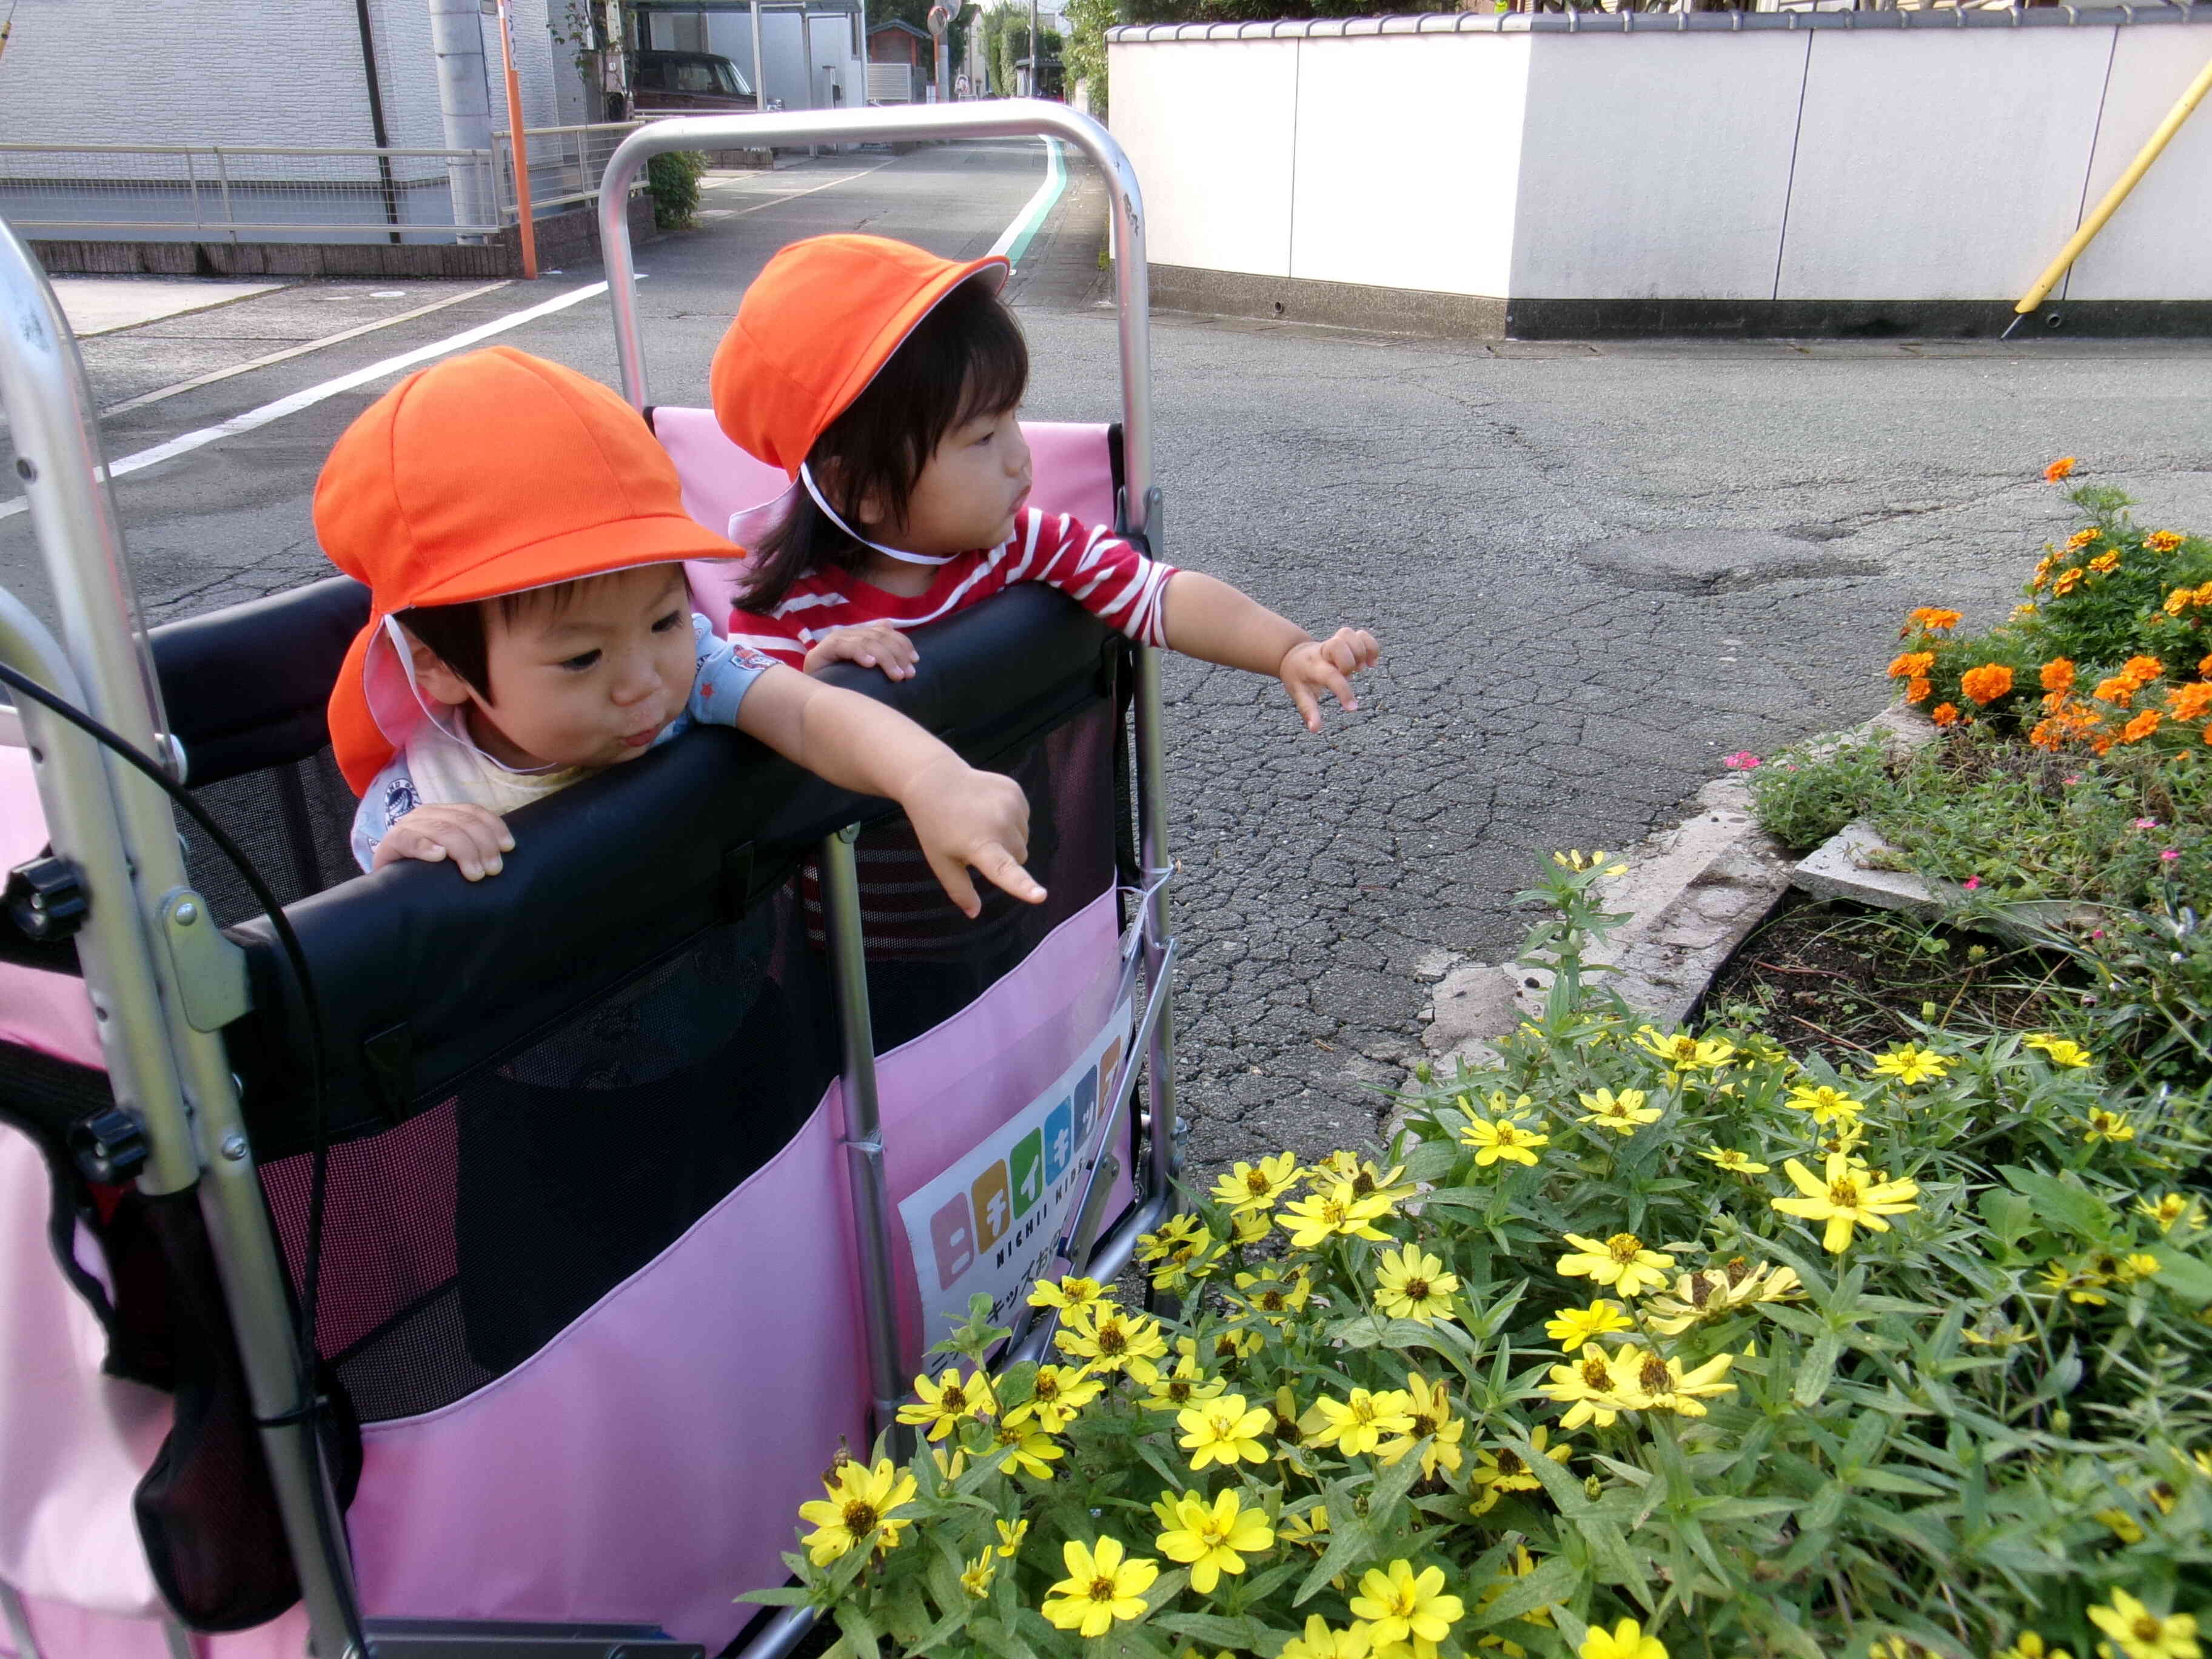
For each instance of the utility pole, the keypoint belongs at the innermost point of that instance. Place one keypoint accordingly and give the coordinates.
(1030, 90)
(939, 20)
(518, 146)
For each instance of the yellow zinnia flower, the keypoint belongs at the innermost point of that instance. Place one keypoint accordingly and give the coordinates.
(1028, 1449)
(1733, 1162)
(1851, 1195)
(1625, 1640)
(1222, 1431)
(1249, 1186)
(1110, 1340)
(2030, 1646)
(1182, 1388)
(1211, 1538)
(1320, 1642)
(1307, 1527)
(2168, 1208)
(1010, 1537)
(1593, 1389)
(2058, 1050)
(1101, 1588)
(2141, 1634)
(1910, 1064)
(858, 1511)
(1273, 1298)
(1505, 1470)
(2102, 1125)
(1059, 1393)
(1684, 1052)
(1249, 1227)
(1397, 1603)
(1708, 1295)
(1068, 1294)
(1667, 1387)
(944, 1404)
(1826, 1103)
(1621, 1263)
(1433, 1422)
(1623, 1113)
(1570, 1327)
(1359, 1422)
(976, 1576)
(1411, 1283)
(1336, 1212)
(1507, 1138)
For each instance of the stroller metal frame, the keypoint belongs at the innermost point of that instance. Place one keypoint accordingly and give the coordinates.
(148, 965)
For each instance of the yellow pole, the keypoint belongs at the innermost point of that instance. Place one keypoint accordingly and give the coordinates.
(518, 147)
(2118, 193)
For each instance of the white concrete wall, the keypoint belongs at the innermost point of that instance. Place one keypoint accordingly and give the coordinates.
(1920, 163)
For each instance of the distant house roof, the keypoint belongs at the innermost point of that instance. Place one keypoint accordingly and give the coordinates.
(899, 23)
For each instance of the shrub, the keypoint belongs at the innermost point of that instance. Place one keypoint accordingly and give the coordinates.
(672, 180)
(1645, 1325)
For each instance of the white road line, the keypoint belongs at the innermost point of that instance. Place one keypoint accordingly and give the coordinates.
(315, 394)
(198, 381)
(793, 196)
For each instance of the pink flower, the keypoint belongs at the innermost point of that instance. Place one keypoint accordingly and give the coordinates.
(2070, 781)
(1972, 883)
(2145, 823)
(1743, 761)
(2169, 855)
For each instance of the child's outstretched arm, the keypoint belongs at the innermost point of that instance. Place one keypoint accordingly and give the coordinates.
(1207, 618)
(962, 818)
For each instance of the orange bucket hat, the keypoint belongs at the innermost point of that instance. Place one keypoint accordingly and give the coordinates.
(818, 323)
(486, 474)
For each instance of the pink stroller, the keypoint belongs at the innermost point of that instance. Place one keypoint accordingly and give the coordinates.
(511, 1309)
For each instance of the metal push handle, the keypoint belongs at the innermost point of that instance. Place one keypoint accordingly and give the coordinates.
(177, 1079)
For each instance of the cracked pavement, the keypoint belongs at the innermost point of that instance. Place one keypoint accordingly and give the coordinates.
(1593, 569)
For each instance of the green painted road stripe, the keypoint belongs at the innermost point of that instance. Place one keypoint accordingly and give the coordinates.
(1015, 242)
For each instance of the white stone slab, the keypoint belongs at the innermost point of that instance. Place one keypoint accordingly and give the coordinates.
(100, 304)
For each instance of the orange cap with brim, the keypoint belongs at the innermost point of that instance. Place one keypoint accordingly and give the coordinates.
(487, 474)
(818, 323)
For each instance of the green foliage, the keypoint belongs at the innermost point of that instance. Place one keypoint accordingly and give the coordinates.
(1802, 796)
(1085, 55)
(1980, 1413)
(916, 12)
(672, 180)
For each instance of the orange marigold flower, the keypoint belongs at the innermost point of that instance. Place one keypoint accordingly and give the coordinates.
(2141, 727)
(2082, 539)
(2163, 541)
(2190, 701)
(1933, 618)
(2106, 562)
(1917, 691)
(1912, 665)
(2179, 601)
(2045, 735)
(2058, 674)
(2102, 746)
(2140, 672)
(2067, 582)
(2205, 666)
(1987, 683)
(1944, 713)
(2060, 468)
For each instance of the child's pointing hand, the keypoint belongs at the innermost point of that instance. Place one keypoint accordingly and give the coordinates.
(1313, 667)
(964, 819)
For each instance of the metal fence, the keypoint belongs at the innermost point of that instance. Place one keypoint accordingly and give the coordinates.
(269, 193)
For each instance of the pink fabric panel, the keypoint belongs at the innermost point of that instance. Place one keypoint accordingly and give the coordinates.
(649, 1463)
(66, 1632)
(73, 1443)
(1071, 473)
(950, 1088)
(49, 1012)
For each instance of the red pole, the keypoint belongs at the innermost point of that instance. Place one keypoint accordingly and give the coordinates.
(518, 146)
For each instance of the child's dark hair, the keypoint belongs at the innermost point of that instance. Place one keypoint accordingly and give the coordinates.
(965, 359)
(457, 632)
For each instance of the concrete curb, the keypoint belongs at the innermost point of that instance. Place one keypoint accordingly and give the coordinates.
(1692, 893)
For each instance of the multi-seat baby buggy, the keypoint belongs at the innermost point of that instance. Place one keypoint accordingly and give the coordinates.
(419, 1268)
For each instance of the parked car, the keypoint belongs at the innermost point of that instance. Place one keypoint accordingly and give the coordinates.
(689, 83)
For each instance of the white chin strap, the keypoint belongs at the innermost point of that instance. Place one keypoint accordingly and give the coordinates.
(455, 727)
(806, 477)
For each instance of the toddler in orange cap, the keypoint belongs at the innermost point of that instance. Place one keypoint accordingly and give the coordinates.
(884, 381)
(521, 530)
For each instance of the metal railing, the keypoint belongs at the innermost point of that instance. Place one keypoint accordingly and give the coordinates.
(288, 194)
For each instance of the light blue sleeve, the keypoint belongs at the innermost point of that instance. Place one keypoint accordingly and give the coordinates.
(390, 797)
(726, 672)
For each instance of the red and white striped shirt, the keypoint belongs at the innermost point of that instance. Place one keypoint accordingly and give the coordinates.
(1105, 574)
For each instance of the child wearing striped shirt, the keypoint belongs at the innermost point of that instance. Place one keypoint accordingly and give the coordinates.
(885, 382)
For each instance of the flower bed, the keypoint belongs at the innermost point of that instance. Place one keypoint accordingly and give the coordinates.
(1645, 1343)
(2073, 786)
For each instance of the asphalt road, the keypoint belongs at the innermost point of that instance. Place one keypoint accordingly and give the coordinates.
(1593, 569)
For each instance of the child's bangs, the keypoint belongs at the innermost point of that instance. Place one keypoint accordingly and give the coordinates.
(998, 358)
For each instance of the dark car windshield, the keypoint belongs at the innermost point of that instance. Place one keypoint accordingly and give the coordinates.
(716, 76)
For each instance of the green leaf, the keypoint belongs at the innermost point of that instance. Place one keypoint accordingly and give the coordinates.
(1818, 1369)
(1240, 1635)
(1432, 1160)
(2061, 1203)
(1374, 1331)
(2185, 1275)
(1554, 1581)
(793, 1596)
(860, 1635)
